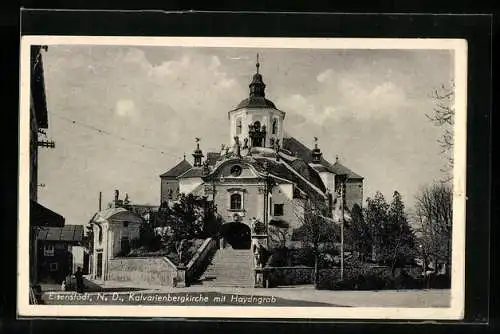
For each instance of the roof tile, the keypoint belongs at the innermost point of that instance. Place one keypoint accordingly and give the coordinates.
(300, 150)
(70, 233)
(178, 169)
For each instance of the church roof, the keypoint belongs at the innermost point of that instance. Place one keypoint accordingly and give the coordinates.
(256, 102)
(212, 158)
(338, 168)
(300, 150)
(319, 168)
(193, 172)
(117, 214)
(257, 96)
(178, 169)
(282, 170)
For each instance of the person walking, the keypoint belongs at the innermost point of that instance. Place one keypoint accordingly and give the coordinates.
(79, 280)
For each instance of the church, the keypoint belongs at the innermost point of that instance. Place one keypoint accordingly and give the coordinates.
(262, 175)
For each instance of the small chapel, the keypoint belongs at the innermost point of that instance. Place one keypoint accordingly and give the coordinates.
(262, 175)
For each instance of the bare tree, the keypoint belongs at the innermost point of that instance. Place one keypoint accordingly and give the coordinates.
(279, 236)
(434, 211)
(443, 116)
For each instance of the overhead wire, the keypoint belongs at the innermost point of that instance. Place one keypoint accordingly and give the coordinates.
(110, 134)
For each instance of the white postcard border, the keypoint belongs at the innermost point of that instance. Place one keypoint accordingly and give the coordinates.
(456, 309)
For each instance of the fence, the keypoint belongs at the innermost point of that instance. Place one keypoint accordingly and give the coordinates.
(199, 261)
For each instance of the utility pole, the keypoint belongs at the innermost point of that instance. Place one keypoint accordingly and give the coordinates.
(267, 187)
(100, 201)
(342, 221)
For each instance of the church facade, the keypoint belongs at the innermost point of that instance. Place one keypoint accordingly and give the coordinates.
(263, 176)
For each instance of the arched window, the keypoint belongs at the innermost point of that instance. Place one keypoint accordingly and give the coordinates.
(275, 126)
(238, 126)
(236, 203)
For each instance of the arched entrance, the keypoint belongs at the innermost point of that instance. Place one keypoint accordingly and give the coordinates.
(237, 235)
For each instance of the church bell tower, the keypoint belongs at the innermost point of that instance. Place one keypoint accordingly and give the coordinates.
(256, 119)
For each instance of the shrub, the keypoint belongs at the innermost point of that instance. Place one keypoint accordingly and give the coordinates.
(278, 258)
(363, 276)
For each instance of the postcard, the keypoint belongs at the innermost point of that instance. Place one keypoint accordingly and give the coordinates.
(265, 178)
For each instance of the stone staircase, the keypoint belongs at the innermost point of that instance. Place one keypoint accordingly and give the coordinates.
(230, 268)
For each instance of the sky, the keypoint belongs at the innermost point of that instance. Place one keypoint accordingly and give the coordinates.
(149, 103)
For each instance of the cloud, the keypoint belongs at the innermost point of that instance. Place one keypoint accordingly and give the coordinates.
(126, 108)
(360, 94)
(325, 76)
(299, 105)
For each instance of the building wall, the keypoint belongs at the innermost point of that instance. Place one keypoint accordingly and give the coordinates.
(62, 256)
(188, 185)
(147, 271)
(100, 246)
(292, 208)
(328, 180)
(249, 116)
(168, 185)
(253, 201)
(354, 193)
(78, 254)
(33, 154)
(111, 242)
(118, 231)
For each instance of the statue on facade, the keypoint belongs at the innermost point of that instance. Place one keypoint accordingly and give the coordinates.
(237, 147)
(206, 169)
(180, 251)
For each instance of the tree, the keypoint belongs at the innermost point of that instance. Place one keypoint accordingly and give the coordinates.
(279, 236)
(357, 233)
(186, 217)
(434, 211)
(443, 116)
(189, 217)
(401, 241)
(316, 231)
(377, 219)
(393, 239)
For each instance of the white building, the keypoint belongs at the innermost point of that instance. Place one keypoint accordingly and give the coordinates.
(114, 229)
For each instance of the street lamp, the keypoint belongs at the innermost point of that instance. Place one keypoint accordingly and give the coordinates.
(343, 179)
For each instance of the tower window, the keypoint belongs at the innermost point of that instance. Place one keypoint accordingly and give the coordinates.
(275, 126)
(238, 126)
(236, 202)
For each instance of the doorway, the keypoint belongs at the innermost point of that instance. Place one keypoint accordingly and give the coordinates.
(98, 273)
(237, 235)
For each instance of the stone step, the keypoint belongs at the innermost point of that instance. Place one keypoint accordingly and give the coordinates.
(230, 268)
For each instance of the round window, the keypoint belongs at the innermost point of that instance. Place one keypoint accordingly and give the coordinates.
(236, 171)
